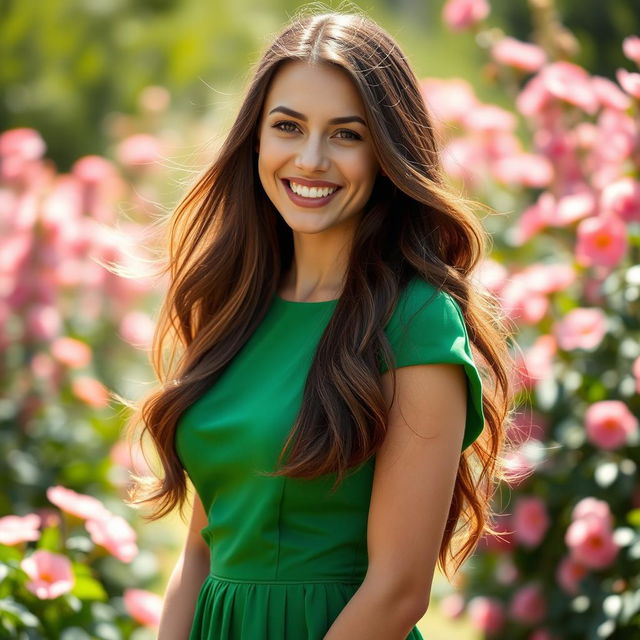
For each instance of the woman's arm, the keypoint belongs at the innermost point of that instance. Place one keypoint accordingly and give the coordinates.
(413, 482)
(186, 579)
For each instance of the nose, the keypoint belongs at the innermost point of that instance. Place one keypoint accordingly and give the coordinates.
(311, 156)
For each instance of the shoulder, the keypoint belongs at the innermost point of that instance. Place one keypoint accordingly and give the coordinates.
(425, 318)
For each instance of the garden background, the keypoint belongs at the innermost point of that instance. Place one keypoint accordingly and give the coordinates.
(109, 109)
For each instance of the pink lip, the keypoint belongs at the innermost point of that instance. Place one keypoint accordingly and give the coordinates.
(312, 183)
(311, 203)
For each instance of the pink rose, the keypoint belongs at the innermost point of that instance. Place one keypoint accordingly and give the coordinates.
(486, 614)
(622, 198)
(569, 573)
(631, 48)
(115, 535)
(601, 240)
(77, 504)
(463, 14)
(521, 55)
(50, 574)
(531, 520)
(143, 606)
(91, 391)
(591, 507)
(71, 352)
(609, 94)
(137, 329)
(630, 82)
(591, 543)
(610, 424)
(528, 604)
(635, 369)
(16, 529)
(581, 328)
(139, 149)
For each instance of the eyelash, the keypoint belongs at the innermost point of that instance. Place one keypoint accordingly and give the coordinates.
(277, 125)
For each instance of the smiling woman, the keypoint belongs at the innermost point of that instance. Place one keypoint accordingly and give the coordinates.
(326, 339)
(315, 162)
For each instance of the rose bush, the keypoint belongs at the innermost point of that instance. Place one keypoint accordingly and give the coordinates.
(563, 162)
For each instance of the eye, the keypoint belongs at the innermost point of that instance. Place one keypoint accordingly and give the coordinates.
(285, 123)
(353, 135)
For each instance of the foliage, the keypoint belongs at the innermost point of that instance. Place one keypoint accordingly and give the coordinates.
(565, 268)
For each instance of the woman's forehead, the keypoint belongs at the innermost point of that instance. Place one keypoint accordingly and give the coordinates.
(314, 88)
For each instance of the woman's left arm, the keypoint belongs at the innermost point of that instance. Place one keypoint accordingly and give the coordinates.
(414, 478)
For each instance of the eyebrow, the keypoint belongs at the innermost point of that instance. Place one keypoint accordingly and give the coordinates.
(300, 116)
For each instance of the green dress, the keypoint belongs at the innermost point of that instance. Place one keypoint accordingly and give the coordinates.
(286, 556)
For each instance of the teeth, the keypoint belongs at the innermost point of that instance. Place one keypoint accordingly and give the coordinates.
(313, 192)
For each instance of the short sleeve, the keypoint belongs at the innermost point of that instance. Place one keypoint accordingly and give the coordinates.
(428, 327)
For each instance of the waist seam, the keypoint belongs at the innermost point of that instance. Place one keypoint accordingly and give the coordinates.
(276, 582)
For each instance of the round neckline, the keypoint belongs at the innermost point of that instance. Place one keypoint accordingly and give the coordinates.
(305, 302)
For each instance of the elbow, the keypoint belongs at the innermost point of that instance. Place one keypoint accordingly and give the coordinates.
(410, 604)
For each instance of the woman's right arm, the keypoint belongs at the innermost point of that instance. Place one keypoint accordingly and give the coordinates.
(186, 579)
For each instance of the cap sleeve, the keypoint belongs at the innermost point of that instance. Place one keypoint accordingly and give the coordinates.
(428, 327)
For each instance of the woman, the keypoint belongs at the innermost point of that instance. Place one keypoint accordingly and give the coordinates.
(322, 395)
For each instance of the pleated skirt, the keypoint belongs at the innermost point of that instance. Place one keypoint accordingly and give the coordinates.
(237, 610)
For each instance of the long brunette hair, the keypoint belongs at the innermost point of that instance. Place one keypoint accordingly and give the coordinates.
(228, 248)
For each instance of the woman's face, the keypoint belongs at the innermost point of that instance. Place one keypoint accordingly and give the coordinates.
(315, 157)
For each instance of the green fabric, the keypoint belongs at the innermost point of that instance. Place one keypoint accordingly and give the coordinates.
(286, 555)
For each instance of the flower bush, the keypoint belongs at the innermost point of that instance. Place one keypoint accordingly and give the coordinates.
(68, 327)
(562, 161)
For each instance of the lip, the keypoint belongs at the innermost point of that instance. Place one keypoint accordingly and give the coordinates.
(311, 183)
(310, 203)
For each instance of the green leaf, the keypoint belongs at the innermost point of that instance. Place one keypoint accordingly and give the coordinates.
(51, 540)
(88, 588)
(19, 613)
(633, 518)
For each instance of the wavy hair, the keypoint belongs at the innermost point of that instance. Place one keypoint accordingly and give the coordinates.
(228, 248)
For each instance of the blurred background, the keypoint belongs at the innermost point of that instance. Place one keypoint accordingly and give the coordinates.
(109, 110)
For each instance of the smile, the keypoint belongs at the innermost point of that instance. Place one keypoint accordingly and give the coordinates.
(309, 196)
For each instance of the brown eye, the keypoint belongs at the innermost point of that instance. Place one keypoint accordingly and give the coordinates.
(285, 123)
(353, 135)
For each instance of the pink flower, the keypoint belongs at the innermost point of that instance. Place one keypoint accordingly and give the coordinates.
(591, 543)
(90, 391)
(574, 207)
(635, 368)
(569, 573)
(528, 169)
(486, 614)
(521, 55)
(535, 218)
(114, 534)
(489, 118)
(531, 521)
(71, 352)
(16, 529)
(631, 48)
(463, 14)
(581, 328)
(538, 361)
(622, 198)
(528, 604)
(50, 573)
(630, 82)
(549, 277)
(601, 240)
(492, 275)
(137, 329)
(143, 606)
(43, 322)
(506, 572)
(448, 100)
(590, 507)
(610, 424)
(77, 504)
(139, 149)
(609, 94)
(94, 170)
(452, 605)
(18, 149)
